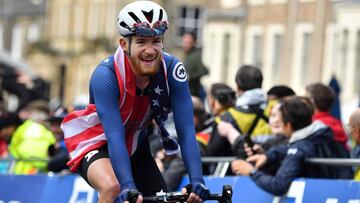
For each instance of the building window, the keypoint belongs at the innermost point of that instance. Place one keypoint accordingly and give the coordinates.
(256, 2)
(189, 19)
(335, 51)
(225, 56)
(275, 66)
(93, 22)
(257, 51)
(111, 12)
(33, 34)
(357, 64)
(63, 26)
(305, 56)
(1, 37)
(79, 19)
(17, 42)
(344, 54)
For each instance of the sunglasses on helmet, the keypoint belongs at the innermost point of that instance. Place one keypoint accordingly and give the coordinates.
(145, 29)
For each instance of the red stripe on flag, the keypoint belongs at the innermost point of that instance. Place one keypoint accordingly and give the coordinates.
(72, 142)
(75, 162)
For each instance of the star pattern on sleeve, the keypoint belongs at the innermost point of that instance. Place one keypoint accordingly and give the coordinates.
(158, 90)
(156, 102)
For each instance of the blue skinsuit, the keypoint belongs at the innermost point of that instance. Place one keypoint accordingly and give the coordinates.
(105, 93)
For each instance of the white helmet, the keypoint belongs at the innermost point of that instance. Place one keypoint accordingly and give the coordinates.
(144, 18)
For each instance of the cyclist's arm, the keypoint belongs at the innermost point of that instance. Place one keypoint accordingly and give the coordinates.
(181, 104)
(105, 94)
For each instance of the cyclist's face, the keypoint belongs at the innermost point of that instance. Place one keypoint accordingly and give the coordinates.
(145, 54)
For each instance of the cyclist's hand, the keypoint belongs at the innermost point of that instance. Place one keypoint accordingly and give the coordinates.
(199, 192)
(130, 196)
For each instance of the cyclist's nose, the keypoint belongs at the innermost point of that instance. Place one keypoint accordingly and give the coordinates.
(150, 49)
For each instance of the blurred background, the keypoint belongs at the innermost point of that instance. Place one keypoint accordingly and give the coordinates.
(49, 48)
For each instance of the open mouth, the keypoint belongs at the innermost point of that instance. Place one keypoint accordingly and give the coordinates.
(148, 61)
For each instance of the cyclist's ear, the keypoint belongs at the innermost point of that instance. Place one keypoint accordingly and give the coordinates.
(124, 44)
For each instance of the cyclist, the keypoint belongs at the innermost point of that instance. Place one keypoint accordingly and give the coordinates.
(107, 141)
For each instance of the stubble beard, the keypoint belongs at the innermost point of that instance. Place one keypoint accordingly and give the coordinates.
(144, 70)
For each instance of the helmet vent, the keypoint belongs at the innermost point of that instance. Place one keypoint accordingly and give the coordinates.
(136, 19)
(149, 15)
(124, 25)
(161, 15)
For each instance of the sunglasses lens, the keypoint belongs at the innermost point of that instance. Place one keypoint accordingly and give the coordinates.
(144, 29)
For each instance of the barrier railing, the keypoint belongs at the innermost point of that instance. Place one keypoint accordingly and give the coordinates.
(223, 163)
(7, 165)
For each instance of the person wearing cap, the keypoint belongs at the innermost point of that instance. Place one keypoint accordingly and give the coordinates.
(107, 141)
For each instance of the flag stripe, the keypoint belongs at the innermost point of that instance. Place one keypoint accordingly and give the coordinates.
(77, 125)
(88, 133)
(82, 146)
(76, 161)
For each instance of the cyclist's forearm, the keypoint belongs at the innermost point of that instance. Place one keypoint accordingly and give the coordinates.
(121, 165)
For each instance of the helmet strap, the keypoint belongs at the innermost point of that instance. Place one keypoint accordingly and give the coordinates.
(128, 53)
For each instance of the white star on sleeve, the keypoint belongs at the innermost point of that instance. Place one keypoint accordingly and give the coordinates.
(156, 102)
(158, 90)
(107, 60)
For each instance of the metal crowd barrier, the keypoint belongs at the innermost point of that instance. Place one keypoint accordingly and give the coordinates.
(7, 165)
(223, 163)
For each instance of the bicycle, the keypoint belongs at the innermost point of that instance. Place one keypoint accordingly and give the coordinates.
(173, 197)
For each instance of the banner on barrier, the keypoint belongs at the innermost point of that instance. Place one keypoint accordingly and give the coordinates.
(73, 189)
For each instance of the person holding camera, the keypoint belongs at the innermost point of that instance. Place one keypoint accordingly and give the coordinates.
(274, 95)
(307, 139)
(247, 117)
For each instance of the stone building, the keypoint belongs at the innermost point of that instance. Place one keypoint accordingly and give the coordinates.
(294, 42)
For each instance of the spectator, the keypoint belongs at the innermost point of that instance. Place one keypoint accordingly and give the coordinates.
(193, 64)
(26, 88)
(32, 139)
(203, 126)
(279, 92)
(247, 117)
(8, 124)
(323, 98)
(277, 128)
(59, 155)
(202, 122)
(275, 94)
(221, 98)
(354, 124)
(304, 137)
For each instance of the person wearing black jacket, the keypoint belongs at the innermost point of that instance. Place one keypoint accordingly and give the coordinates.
(304, 139)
